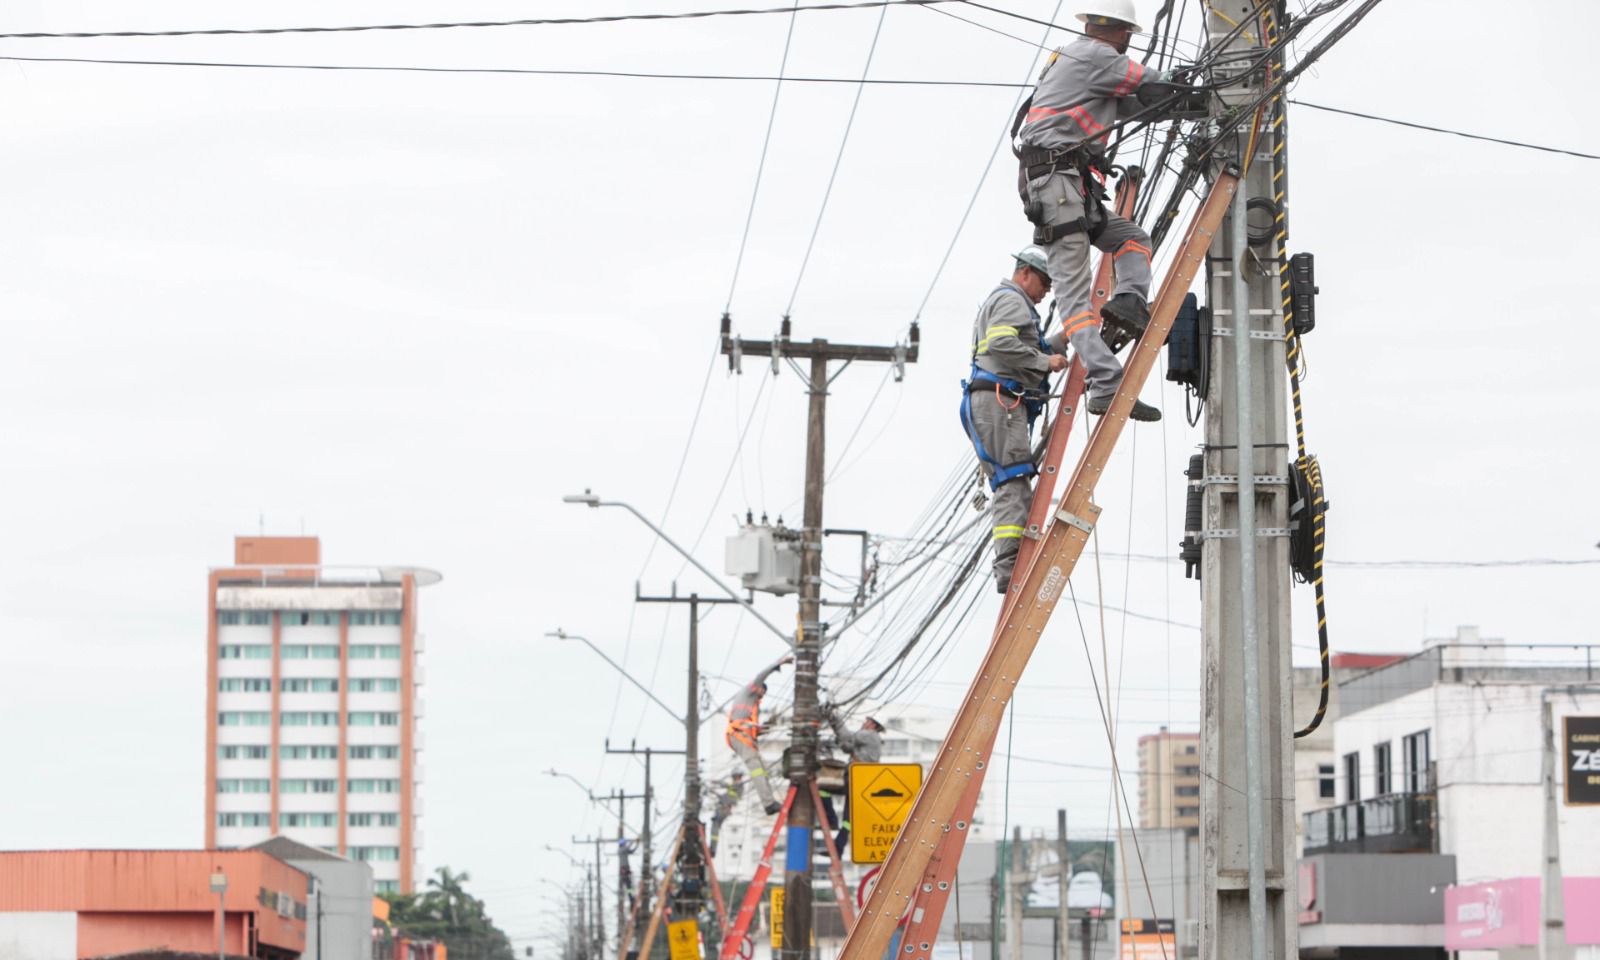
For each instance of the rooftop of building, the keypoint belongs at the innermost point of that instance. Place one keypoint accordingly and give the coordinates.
(297, 561)
(1469, 658)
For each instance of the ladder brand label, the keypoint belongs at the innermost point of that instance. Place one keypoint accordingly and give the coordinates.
(1051, 588)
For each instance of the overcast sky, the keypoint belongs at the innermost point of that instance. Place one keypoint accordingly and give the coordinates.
(407, 312)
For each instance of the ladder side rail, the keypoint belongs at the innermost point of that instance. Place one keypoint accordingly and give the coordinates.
(758, 884)
(1071, 394)
(841, 893)
(716, 888)
(661, 902)
(964, 754)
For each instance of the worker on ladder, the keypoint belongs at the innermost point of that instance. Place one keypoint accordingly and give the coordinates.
(864, 745)
(729, 793)
(744, 729)
(1005, 392)
(1084, 88)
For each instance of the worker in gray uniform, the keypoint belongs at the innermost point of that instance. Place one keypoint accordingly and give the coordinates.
(1005, 392)
(864, 745)
(729, 793)
(1087, 86)
(744, 729)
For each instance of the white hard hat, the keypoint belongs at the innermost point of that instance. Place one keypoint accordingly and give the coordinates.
(1033, 258)
(1101, 11)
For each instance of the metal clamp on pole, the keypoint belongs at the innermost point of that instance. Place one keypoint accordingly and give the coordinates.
(1073, 519)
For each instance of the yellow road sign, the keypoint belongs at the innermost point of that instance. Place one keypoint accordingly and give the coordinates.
(880, 800)
(776, 918)
(683, 940)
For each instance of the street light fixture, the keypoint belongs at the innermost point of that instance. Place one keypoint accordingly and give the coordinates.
(219, 886)
(592, 500)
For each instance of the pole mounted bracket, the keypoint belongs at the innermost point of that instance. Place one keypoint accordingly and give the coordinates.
(1087, 526)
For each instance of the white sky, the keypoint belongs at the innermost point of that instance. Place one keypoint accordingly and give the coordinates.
(408, 312)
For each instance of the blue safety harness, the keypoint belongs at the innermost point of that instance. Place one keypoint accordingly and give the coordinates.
(1033, 400)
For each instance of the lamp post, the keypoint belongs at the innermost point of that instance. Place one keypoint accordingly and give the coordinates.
(561, 634)
(219, 886)
(593, 501)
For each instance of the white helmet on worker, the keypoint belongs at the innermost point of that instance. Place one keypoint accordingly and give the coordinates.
(1034, 259)
(1110, 13)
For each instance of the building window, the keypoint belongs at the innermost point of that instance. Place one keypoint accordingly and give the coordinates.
(309, 618)
(227, 618)
(374, 786)
(1416, 752)
(1327, 778)
(381, 685)
(1186, 791)
(244, 786)
(374, 651)
(308, 786)
(1381, 765)
(245, 685)
(1188, 811)
(309, 685)
(307, 820)
(315, 651)
(237, 751)
(1352, 777)
(257, 618)
(374, 819)
(245, 651)
(306, 752)
(386, 886)
(374, 853)
(375, 618)
(367, 718)
(374, 752)
(312, 719)
(242, 820)
(1189, 750)
(1186, 771)
(244, 718)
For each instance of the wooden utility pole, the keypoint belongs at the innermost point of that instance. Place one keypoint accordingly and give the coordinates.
(641, 911)
(689, 892)
(802, 756)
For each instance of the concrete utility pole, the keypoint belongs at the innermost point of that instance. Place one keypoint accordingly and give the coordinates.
(646, 860)
(1017, 884)
(802, 756)
(1247, 796)
(1063, 880)
(689, 892)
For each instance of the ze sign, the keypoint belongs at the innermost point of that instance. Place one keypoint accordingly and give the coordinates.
(881, 795)
(1581, 740)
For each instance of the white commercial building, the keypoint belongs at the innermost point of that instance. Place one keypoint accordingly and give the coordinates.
(313, 719)
(1440, 754)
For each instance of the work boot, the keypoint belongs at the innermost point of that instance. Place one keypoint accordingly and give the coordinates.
(1141, 411)
(1125, 316)
(773, 807)
(1002, 585)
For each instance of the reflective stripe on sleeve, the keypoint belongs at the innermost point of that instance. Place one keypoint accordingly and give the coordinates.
(1008, 532)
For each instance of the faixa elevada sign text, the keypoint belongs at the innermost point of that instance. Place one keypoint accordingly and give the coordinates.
(1580, 740)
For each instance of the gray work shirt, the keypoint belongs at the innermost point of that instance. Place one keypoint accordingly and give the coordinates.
(1084, 88)
(862, 745)
(1005, 337)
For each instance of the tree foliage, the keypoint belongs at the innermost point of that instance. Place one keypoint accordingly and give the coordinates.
(445, 911)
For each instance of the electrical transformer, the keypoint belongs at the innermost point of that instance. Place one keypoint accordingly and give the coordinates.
(764, 557)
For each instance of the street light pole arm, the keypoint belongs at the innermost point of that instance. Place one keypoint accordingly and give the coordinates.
(563, 635)
(590, 500)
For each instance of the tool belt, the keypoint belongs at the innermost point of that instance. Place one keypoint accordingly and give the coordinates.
(1036, 162)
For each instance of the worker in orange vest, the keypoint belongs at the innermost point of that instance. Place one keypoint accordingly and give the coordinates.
(744, 728)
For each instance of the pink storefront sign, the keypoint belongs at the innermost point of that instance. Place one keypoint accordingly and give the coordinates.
(1581, 898)
(1484, 916)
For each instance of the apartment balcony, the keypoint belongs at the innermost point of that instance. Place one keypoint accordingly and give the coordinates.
(1391, 823)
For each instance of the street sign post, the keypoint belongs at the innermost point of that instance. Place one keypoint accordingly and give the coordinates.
(881, 795)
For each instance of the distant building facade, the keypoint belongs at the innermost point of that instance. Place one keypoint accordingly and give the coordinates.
(312, 706)
(338, 902)
(1169, 781)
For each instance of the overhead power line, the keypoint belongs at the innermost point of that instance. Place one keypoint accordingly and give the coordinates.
(469, 24)
(1453, 133)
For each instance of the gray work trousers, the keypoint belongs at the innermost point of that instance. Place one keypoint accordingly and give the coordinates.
(758, 770)
(1072, 275)
(1002, 428)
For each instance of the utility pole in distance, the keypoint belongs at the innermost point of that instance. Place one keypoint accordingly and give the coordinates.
(689, 893)
(1247, 794)
(802, 756)
(646, 861)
